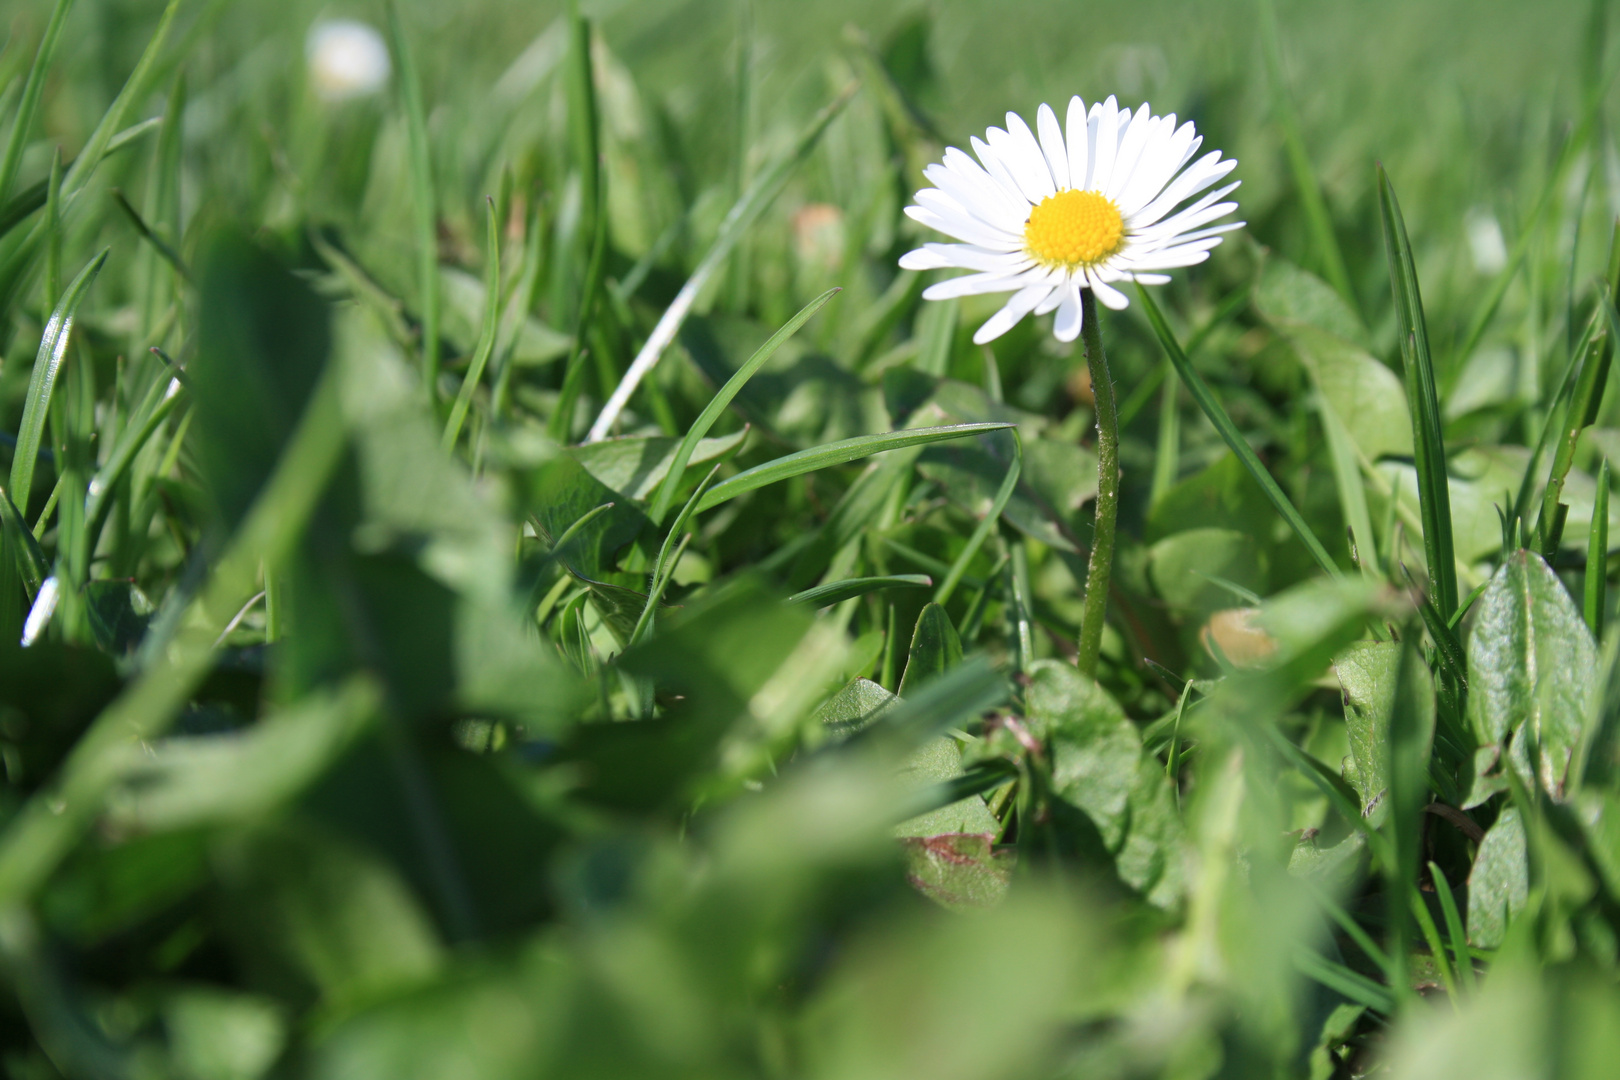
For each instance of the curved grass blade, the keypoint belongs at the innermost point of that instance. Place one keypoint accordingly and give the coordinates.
(32, 566)
(1205, 398)
(135, 88)
(835, 592)
(742, 215)
(1597, 555)
(664, 568)
(1428, 444)
(28, 107)
(717, 405)
(486, 336)
(47, 363)
(424, 199)
(820, 457)
(1008, 484)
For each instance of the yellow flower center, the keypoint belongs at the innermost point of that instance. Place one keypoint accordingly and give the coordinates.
(1073, 229)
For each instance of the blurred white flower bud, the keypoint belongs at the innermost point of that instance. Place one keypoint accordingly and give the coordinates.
(347, 59)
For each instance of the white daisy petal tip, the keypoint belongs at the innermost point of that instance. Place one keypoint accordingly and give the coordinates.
(1104, 195)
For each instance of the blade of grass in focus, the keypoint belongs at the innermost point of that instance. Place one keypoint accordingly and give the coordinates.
(1429, 448)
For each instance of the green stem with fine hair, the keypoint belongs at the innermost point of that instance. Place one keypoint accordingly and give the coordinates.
(1101, 566)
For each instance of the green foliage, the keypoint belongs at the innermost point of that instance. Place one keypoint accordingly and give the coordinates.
(371, 726)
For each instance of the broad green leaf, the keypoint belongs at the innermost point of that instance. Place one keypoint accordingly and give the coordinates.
(935, 648)
(1098, 766)
(1368, 676)
(1291, 298)
(1182, 565)
(1499, 884)
(1532, 670)
(962, 871)
(854, 707)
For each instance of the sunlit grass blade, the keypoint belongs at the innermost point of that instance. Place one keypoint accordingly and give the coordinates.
(981, 531)
(741, 216)
(664, 568)
(1597, 555)
(53, 347)
(835, 592)
(1317, 218)
(837, 453)
(424, 197)
(1229, 432)
(22, 126)
(722, 400)
(486, 334)
(1428, 443)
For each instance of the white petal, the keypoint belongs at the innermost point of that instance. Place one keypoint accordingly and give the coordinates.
(923, 259)
(1079, 143)
(998, 169)
(1106, 147)
(1057, 156)
(1022, 155)
(966, 181)
(1160, 161)
(1021, 304)
(1050, 304)
(1200, 175)
(1110, 296)
(1133, 141)
(964, 228)
(1066, 327)
(973, 285)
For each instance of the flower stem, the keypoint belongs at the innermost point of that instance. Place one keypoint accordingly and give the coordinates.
(1101, 566)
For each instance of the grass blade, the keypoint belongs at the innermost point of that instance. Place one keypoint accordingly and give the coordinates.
(1428, 444)
(28, 107)
(424, 198)
(486, 336)
(1454, 928)
(741, 216)
(1205, 398)
(821, 457)
(835, 592)
(1597, 555)
(53, 346)
(31, 564)
(664, 568)
(718, 404)
(982, 530)
(135, 88)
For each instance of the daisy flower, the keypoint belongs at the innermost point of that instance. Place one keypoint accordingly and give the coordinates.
(1078, 207)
